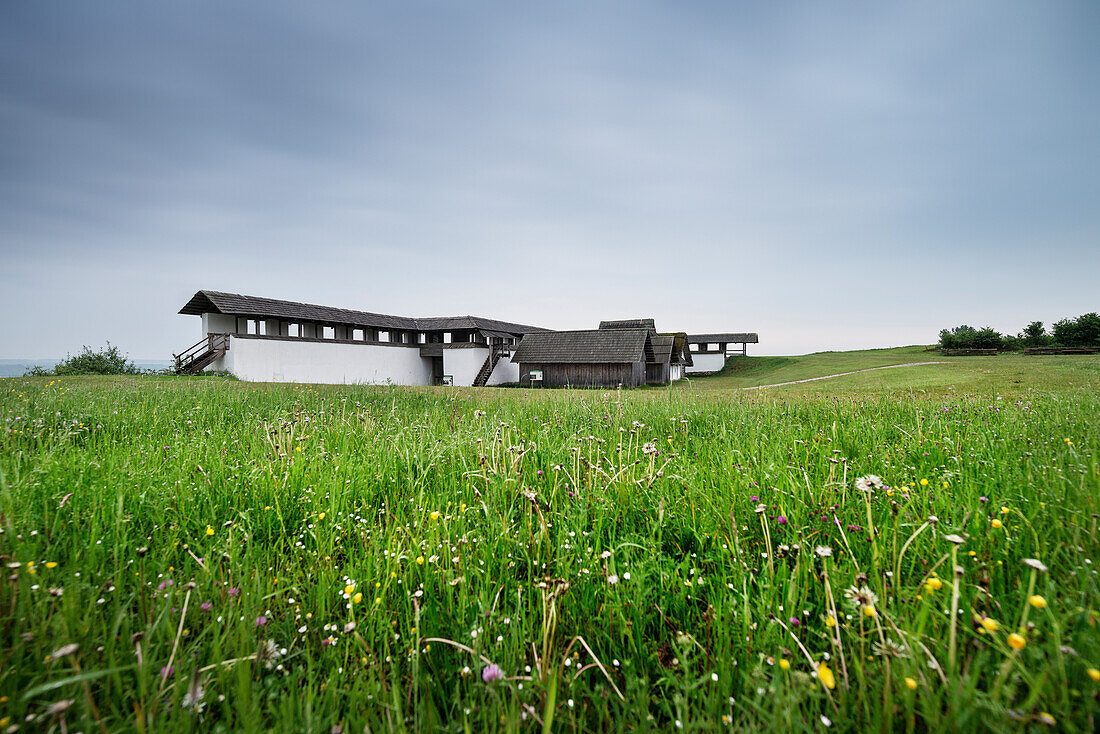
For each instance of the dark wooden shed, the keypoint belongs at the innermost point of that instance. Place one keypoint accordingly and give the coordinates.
(595, 358)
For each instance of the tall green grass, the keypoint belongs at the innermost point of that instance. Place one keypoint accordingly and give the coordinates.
(256, 557)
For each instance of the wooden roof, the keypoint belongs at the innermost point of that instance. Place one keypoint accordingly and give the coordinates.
(680, 352)
(616, 346)
(740, 338)
(629, 324)
(662, 348)
(234, 304)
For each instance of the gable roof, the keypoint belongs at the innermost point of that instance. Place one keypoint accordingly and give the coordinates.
(681, 354)
(615, 346)
(662, 348)
(234, 304)
(744, 337)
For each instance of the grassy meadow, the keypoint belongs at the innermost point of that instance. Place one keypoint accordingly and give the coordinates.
(908, 549)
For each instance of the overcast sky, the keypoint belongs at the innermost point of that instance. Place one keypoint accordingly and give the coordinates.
(830, 175)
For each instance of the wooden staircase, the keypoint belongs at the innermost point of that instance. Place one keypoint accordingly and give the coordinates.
(496, 351)
(202, 354)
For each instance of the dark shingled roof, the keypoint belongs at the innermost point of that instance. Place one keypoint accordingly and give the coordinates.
(662, 348)
(629, 324)
(614, 346)
(234, 304)
(680, 352)
(743, 338)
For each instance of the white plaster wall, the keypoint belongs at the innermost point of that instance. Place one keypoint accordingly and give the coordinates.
(707, 362)
(218, 323)
(464, 364)
(505, 372)
(289, 360)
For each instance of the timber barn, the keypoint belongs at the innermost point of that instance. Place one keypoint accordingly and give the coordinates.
(270, 340)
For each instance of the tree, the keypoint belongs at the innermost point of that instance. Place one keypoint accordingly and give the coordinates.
(1034, 335)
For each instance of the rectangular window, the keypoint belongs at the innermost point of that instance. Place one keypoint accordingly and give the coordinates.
(294, 330)
(327, 332)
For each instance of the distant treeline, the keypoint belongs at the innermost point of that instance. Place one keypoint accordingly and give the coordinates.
(1083, 331)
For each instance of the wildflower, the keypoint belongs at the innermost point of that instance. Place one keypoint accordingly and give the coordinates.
(830, 621)
(1035, 563)
(781, 520)
(870, 483)
(911, 684)
(492, 673)
(206, 606)
(996, 523)
(784, 664)
(420, 560)
(933, 584)
(64, 650)
(989, 624)
(1094, 674)
(357, 598)
(261, 621)
(349, 589)
(321, 516)
(953, 538)
(1038, 602)
(1016, 641)
(612, 579)
(823, 551)
(1045, 718)
(51, 564)
(434, 515)
(234, 591)
(825, 675)
(1004, 510)
(193, 698)
(868, 610)
(924, 482)
(209, 530)
(861, 597)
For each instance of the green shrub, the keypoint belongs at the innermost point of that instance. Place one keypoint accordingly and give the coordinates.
(107, 361)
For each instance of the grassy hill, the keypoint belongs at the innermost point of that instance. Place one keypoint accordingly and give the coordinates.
(1002, 373)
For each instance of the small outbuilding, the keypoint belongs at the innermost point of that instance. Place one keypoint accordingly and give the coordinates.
(593, 358)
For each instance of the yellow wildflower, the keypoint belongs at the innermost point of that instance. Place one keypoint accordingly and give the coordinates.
(435, 515)
(1016, 641)
(1094, 674)
(1038, 602)
(349, 589)
(911, 684)
(924, 482)
(784, 664)
(996, 523)
(868, 610)
(933, 584)
(825, 675)
(51, 564)
(420, 560)
(830, 621)
(357, 598)
(990, 625)
(209, 530)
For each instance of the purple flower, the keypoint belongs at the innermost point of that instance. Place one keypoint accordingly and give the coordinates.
(754, 498)
(206, 606)
(167, 672)
(234, 591)
(491, 673)
(165, 584)
(261, 621)
(540, 472)
(782, 520)
(795, 622)
(983, 499)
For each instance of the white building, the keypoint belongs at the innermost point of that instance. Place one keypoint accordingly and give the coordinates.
(709, 352)
(268, 340)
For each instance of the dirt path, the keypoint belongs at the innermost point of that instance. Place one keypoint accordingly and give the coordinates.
(841, 374)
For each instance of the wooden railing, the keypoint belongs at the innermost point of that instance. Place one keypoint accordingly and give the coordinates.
(210, 343)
